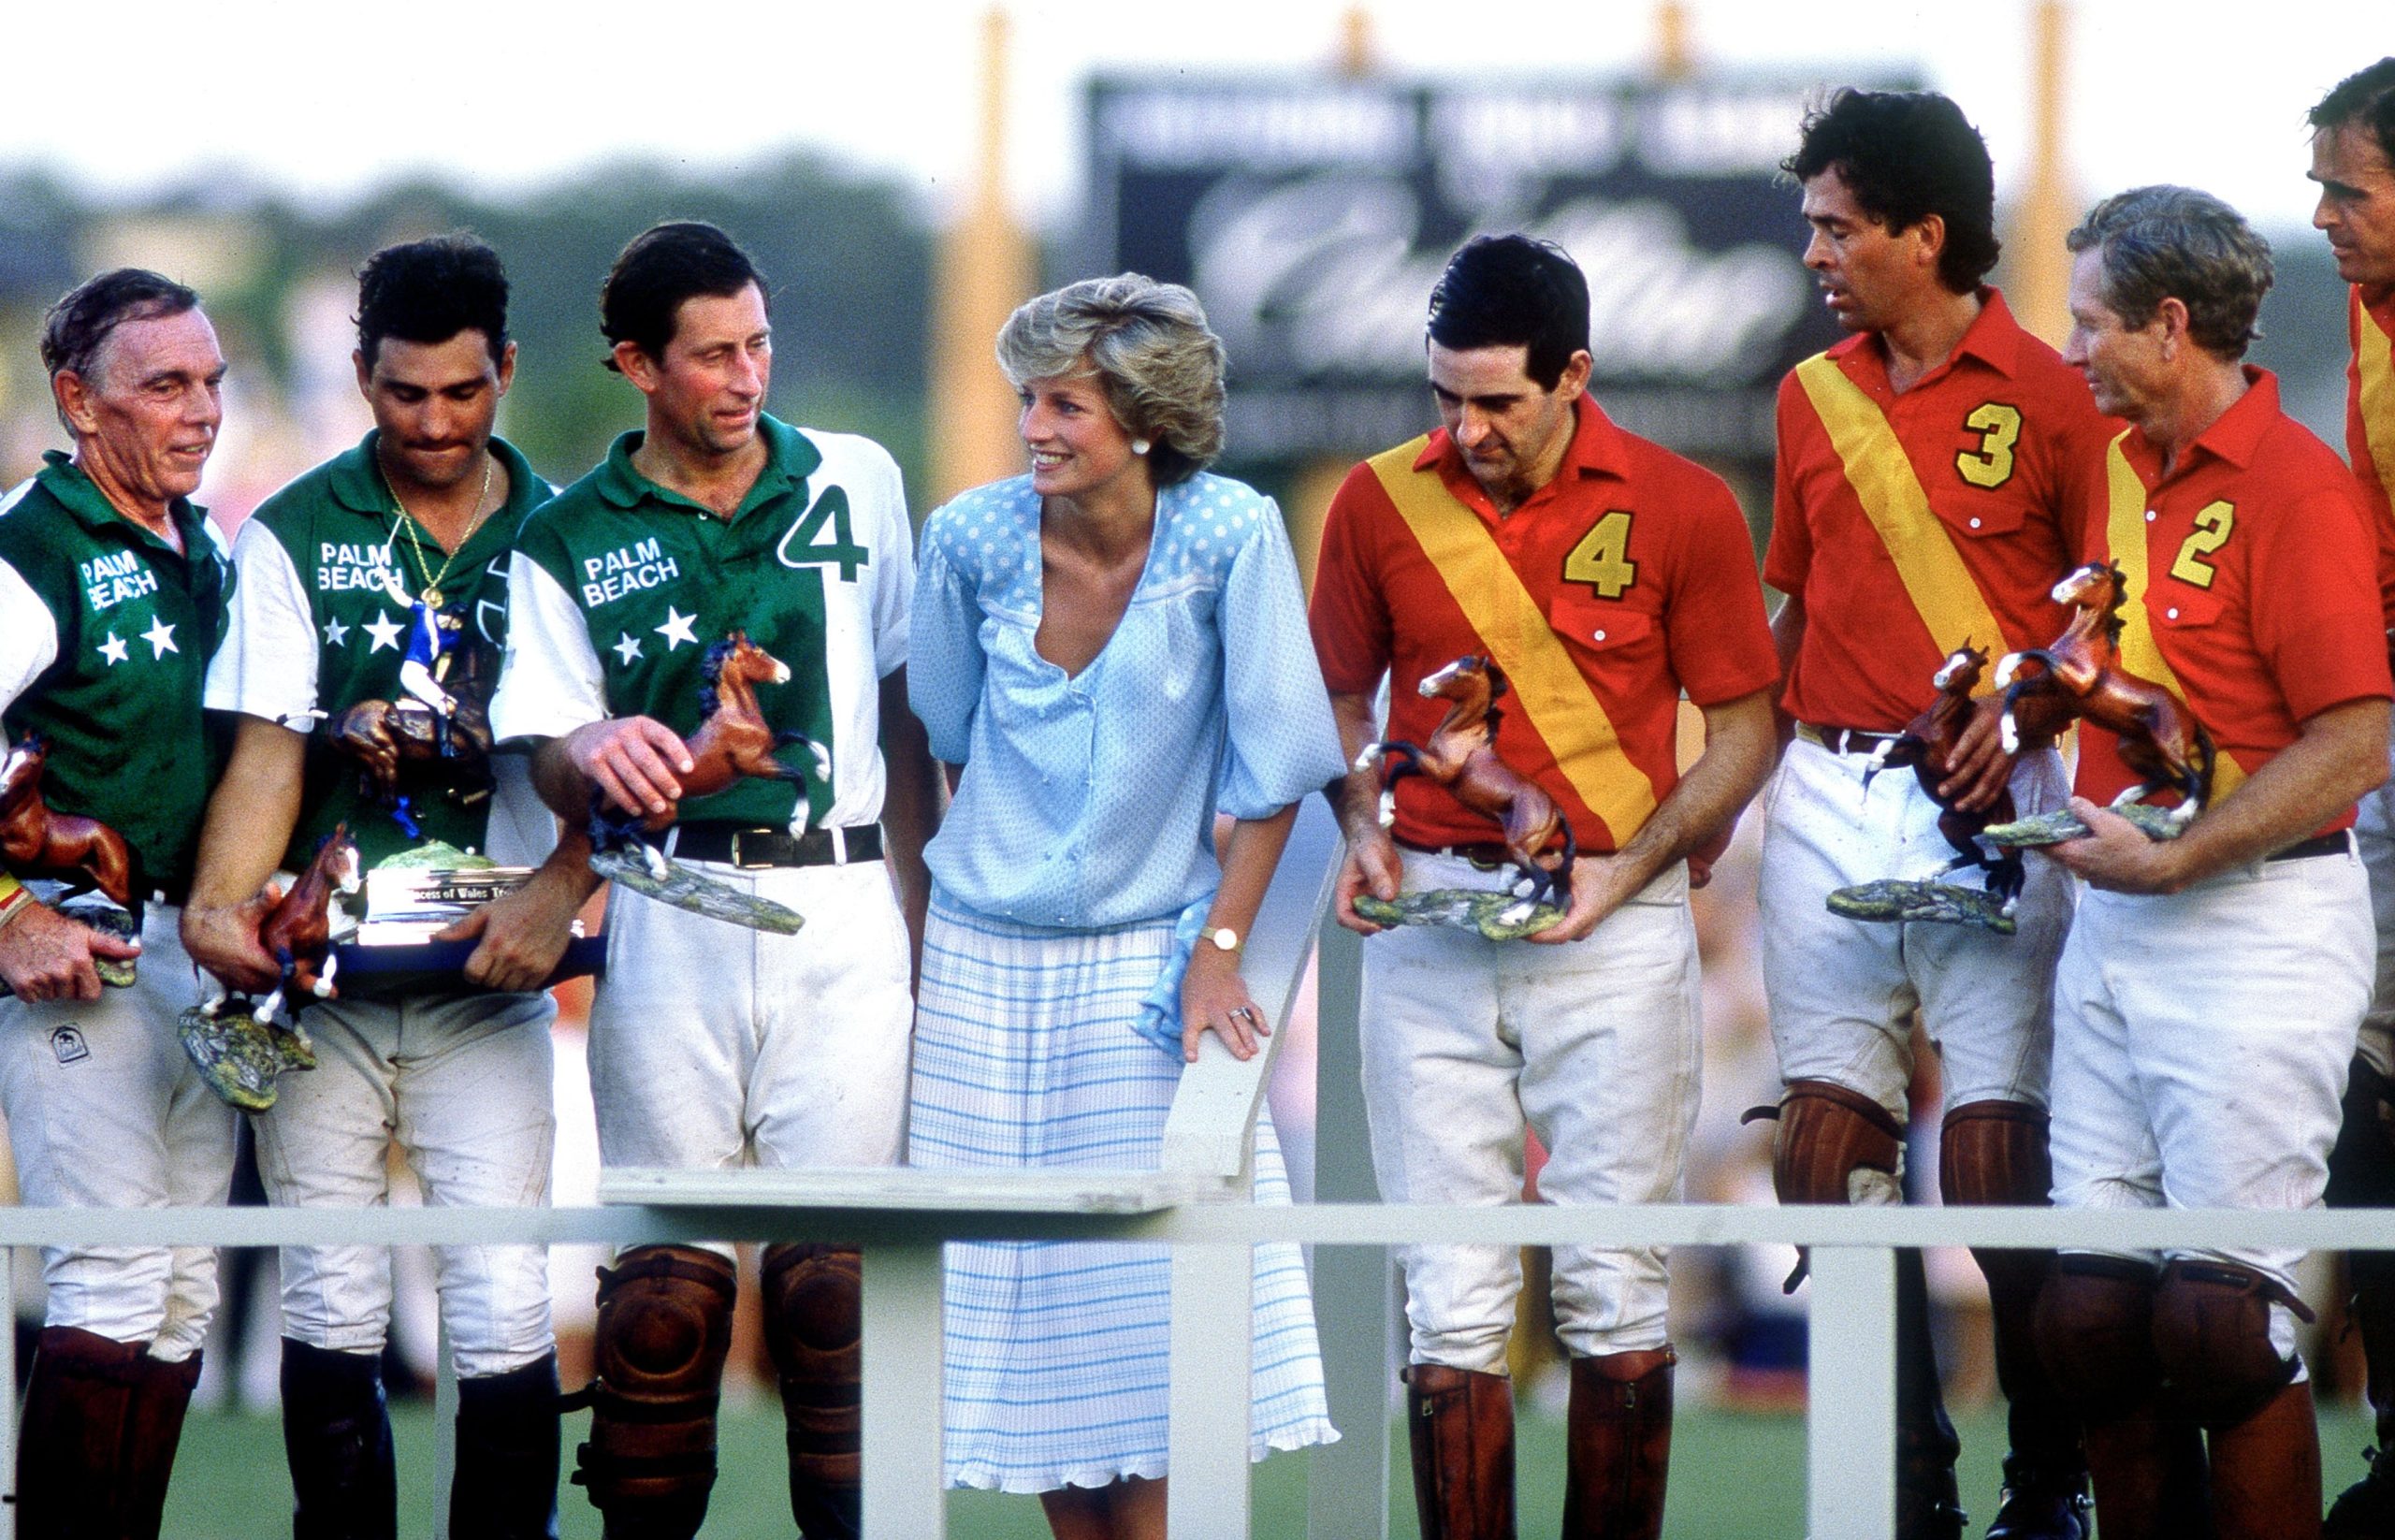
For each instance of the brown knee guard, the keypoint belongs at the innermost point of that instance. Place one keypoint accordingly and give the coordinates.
(2212, 1334)
(161, 1396)
(664, 1329)
(812, 1304)
(1621, 1444)
(1995, 1152)
(1460, 1425)
(1835, 1146)
(2095, 1337)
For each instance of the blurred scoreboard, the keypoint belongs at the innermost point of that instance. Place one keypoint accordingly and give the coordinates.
(1313, 214)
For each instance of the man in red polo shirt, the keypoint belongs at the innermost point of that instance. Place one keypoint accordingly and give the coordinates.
(1605, 575)
(2353, 160)
(2208, 996)
(1932, 471)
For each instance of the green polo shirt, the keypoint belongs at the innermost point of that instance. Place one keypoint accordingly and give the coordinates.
(134, 623)
(334, 542)
(657, 579)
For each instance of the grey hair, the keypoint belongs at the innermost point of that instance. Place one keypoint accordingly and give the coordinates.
(74, 333)
(2164, 243)
(1159, 364)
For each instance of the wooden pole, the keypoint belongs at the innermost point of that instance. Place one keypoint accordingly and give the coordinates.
(985, 268)
(2041, 267)
(1675, 50)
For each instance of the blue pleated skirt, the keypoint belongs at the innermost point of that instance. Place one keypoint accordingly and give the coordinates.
(1057, 1353)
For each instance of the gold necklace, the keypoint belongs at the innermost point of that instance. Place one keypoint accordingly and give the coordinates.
(429, 589)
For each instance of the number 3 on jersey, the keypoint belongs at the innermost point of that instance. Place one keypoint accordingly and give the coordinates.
(1998, 427)
(1602, 559)
(803, 546)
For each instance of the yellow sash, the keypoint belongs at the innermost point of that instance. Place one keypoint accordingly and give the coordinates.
(2374, 366)
(1941, 589)
(1552, 692)
(2125, 533)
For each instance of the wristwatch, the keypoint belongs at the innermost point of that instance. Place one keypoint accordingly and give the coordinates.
(1224, 939)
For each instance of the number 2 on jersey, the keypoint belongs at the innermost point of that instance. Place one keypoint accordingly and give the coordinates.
(1602, 559)
(1991, 464)
(803, 544)
(2215, 523)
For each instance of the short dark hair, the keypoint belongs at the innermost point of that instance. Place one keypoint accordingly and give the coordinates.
(1906, 155)
(2365, 99)
(1513, 291)
(2164, 243)
(80, 324)
(663, 266)
(429, 291)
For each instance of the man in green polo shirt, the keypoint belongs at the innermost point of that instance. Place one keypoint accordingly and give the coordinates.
(377, 581)
(712, 1047)
(115, 587)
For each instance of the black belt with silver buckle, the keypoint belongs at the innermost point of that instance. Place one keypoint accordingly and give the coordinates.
(2330, 844)
(753, 849)
(1843, 740)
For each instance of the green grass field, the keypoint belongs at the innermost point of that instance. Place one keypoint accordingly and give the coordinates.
(1734, 1476)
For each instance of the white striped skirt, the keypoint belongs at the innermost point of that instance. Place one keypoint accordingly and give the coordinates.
(1057, 1353)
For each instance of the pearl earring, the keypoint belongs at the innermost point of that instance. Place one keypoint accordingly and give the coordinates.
(1141, 447)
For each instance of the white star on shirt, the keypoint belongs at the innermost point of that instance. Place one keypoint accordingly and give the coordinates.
(385, 630)
(161, 637)
(677, 628)
(335, 633)
(626, 648)
(113, 649)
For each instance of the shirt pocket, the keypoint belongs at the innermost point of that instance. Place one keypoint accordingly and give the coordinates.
(2175, 607)
(1982, 517)
(1603, 632)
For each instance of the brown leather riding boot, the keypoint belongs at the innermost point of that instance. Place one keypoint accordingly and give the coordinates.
(71, 1439)
(1620, 1445)
(2150, 1477)
(161, 1396)
(2266, 1472)
(1461, 1423)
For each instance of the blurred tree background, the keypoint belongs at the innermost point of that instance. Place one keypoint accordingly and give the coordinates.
(849, 257)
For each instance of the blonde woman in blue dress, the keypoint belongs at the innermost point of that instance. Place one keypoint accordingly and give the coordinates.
(1107, 652)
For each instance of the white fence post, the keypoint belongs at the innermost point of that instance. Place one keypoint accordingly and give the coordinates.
(1347, 1482)
(905, 1485)
(1213, 1288)
(1851, 1394)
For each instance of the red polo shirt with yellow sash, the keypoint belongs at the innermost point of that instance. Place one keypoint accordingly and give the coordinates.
(2249, 592)
(1627, 579)
(1911, 525)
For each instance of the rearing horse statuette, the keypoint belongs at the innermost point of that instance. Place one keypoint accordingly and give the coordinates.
(1461, 756)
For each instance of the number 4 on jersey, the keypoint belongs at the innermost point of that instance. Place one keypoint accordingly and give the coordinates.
(1602, 559)
(804, 544)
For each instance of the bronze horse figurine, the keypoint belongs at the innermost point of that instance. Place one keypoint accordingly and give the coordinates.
(297, 931)
(1924, 747)
(2080, 674)
(34, 841)
(1461, 756)
(734, 740)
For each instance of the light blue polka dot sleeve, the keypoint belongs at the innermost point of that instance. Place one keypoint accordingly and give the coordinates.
(1284, 743)
(944, 650)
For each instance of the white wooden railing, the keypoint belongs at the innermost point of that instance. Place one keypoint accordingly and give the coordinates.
(1196, 1204)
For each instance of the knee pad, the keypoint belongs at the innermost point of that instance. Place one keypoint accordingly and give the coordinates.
(2094, 1333)
(2212, 1335)
(664, 1330)
(1995, 1152)
(813, 1300)
(1835, 1146)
